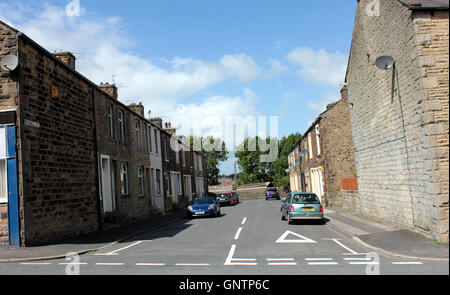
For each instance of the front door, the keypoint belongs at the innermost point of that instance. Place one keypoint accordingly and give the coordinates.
(108, 205)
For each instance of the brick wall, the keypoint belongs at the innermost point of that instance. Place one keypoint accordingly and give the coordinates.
(393, 151)
(56, 163)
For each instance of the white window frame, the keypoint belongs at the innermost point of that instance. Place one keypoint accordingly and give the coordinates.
(110, 122)
(318, 139)
(310, 146)
(140, 176)
(138, 134)
(4, 163)
(158, 181)
(120, 119)
(124, 180)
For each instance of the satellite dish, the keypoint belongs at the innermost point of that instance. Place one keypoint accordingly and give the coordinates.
(10, 63)
(385, 62)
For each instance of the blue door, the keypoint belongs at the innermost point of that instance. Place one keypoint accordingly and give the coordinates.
(13, 196)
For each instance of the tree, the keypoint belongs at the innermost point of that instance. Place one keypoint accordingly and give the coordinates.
(278, 168)
(253, 170)
(214, 151)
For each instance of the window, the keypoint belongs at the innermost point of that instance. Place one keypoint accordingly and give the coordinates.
(149, 135)
(310, 146)
(179, 183)
(141, 181)
(158, 181)
(156, 141)
(200, 166)
(110, 123)
(166, 156)
(317, 139)
(177, 157)
(145, 139)
(121, 126)
(124, 179)
(3, 170)
(169, 184)
(138, 134)
(183, 157)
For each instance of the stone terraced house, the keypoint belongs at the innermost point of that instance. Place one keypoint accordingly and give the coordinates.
(72, 156)
(399, 114)
(323, 161)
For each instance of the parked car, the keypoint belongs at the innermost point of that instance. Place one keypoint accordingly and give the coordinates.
(205, 206)
(236, 197)
(301, 206)
(226, 198)
(272, 192)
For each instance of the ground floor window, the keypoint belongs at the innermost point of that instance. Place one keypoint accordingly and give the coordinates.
(124, 179)
(141, 181)
(158, 181)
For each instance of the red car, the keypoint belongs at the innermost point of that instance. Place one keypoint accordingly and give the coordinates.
(227, 198)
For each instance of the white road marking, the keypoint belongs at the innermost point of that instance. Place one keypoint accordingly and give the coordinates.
(236, 237)
(73, 263)
(343, 246)
(244, 220)
(192, 264)
(355, 259)
(109, 264)
(150, 264)
(280, 259)
(302, 240)
(364, 263)
(407, 263)
(118, 250)
(322, 263)
(318, 259)
(230, 259)
(35, 263)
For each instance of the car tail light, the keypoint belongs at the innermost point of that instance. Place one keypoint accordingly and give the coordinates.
(291, 209)
(321, 209)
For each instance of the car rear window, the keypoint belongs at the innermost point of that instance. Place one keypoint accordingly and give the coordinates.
(272, 190)
(224, 196)
(305, 199)
(201, 201)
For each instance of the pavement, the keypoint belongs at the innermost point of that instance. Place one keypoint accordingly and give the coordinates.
(378, 237)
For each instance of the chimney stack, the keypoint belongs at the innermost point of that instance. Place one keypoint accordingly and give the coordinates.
(138, 108)
(168, 128)
(157, 122)
(109, 89)
(66, 57)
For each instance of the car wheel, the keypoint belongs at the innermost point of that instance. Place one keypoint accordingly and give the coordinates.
(282, 216)
(289, 220)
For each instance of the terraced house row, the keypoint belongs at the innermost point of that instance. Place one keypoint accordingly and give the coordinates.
(382, 151)
(73, 157)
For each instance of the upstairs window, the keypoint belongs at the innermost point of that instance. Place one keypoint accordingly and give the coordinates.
(110, 123)
(138, 134)
(121, 126)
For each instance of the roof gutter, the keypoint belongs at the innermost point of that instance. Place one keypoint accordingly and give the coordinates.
(419, 7)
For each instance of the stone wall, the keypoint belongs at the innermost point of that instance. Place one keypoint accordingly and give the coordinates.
(337, 148)
(56, 163)
(396, 163)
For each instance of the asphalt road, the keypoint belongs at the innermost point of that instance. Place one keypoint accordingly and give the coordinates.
(248, 239)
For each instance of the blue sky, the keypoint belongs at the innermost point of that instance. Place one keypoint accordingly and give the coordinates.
(207, 58)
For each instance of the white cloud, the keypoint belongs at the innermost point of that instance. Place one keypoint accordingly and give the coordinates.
(319, 67)
(103, 49)
(241, 66)
(275, 68)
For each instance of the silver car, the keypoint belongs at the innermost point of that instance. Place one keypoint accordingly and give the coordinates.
(301, 206)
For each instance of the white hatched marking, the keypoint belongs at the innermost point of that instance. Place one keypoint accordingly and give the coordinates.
(318, 259)
(244, 220)
(322, 263)
(364, 263)
(109, 264)
(280, 259)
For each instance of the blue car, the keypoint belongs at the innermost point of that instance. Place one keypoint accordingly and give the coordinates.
(272, 192)
(206, 206)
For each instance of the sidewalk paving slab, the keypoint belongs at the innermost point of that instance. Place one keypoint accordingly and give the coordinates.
(389, 240)
(87, 243)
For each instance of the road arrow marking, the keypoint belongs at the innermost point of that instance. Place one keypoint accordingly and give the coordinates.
(302, 240)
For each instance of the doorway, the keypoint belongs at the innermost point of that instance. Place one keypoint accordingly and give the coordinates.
(106, 185)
